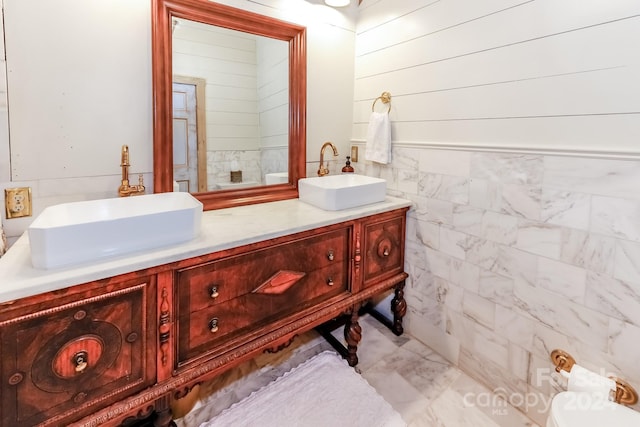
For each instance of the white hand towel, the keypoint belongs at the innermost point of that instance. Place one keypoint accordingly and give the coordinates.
(378, 148)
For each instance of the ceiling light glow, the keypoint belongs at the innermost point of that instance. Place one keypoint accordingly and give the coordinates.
(337, 3)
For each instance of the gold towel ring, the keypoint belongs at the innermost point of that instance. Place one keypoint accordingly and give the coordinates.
(385, 98)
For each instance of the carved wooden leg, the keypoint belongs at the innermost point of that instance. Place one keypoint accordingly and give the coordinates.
(399, 309)
(163, 413)
(352, 335)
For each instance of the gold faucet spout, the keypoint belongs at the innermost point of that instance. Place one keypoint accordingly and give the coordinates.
(125, 189)
(322, 170)
(124, 164)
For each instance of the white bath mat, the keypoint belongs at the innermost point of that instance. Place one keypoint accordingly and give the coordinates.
(324, 391)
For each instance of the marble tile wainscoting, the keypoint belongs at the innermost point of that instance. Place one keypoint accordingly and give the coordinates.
(513, 255)
(221, 162)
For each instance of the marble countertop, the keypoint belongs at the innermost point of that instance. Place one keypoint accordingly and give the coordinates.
(221, 229)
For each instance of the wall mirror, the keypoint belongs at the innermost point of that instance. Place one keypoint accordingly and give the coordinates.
(229, 90)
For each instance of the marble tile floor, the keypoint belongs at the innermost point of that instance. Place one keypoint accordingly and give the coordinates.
(421, 385)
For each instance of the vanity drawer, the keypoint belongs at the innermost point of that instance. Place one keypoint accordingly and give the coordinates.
(218, 281)
(67, 358)
(213, 326)
(383, 247)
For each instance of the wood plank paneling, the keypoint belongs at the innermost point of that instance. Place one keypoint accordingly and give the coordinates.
(218, 55)
(591, 49)
(79, 87)
(521, 73)
(423, 19)
(565, 94)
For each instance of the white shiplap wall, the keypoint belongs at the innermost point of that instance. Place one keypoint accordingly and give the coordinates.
(78, 86)
(273, 92)
(538, 75)
(226, 60)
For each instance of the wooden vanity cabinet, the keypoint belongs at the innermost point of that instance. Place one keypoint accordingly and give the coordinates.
(117, 351)
(68, 353)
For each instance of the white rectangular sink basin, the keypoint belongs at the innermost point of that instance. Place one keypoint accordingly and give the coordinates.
(78, 232)
(337, 192)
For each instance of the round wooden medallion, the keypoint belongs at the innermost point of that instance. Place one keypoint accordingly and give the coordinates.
(75, 358)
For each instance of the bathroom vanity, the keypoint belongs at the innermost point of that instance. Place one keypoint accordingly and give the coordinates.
(112, 342)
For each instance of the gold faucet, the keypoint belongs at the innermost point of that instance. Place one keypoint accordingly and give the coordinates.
(322, 171)
(125, 189)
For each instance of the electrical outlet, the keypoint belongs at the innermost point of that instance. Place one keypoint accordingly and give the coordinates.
(17, 202)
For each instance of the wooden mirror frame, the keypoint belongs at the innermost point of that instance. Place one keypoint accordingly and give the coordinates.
(207, 12)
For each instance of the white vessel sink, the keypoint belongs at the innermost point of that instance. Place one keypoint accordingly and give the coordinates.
(74, 233)
(337, 192)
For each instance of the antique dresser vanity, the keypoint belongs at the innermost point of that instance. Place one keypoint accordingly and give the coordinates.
(111, 343)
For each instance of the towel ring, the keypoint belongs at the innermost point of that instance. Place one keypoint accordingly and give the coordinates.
(385, 98)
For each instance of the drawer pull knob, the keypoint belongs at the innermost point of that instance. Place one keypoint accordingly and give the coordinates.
(214, 292)
(330, 256)
(80, 360)
(384, 248)
(213, 325)
(330, 281)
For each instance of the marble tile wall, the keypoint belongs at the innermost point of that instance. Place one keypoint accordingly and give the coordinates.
(274, 160)
(220, 163)
(513, 255)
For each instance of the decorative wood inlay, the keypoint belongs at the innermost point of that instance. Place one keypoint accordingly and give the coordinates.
(64, 307)
(16, 378)
(279, 283)
(357, 255)
(79, 332)
(164, 328)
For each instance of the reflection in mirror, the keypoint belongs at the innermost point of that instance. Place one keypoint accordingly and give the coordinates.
(247, 89)
(230, 107)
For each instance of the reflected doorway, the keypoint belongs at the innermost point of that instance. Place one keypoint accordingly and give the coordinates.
(189, 139)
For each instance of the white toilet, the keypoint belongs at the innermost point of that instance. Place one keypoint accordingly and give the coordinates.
(578, 409)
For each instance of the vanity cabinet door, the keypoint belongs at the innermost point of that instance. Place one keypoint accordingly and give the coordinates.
(235, 296)
(62, 362)
(383, 245)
